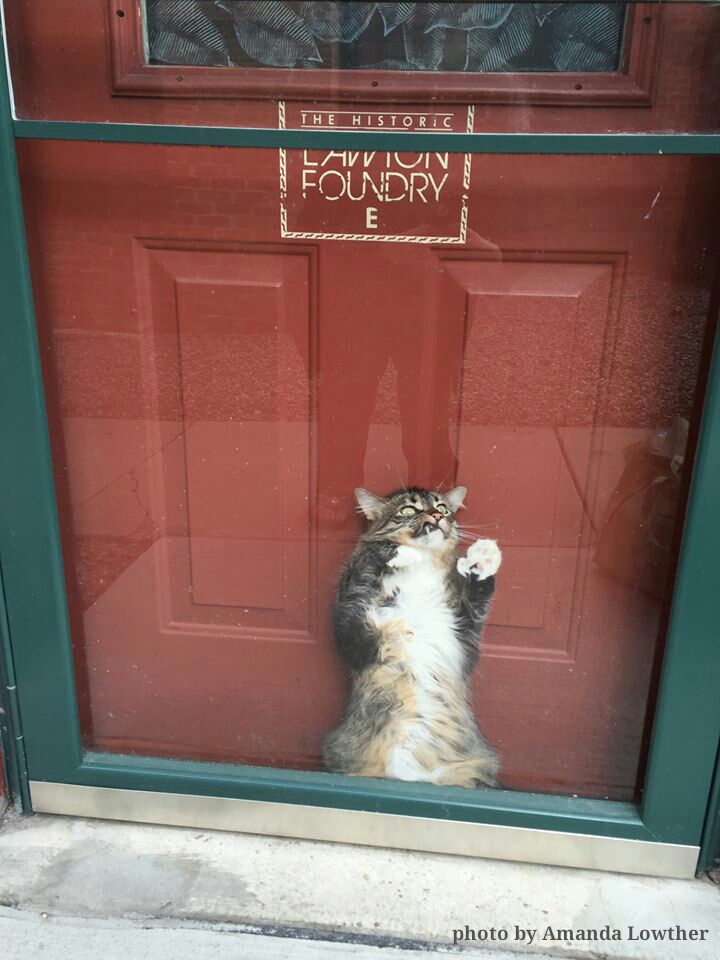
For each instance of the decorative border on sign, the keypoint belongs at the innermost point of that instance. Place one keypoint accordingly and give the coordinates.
(386, 238)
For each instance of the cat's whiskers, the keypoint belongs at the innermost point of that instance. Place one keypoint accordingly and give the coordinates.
(403, 487)
(480, 530)
(436, 490)
(467, 536)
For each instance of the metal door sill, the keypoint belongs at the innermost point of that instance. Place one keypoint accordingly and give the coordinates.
(304, 822)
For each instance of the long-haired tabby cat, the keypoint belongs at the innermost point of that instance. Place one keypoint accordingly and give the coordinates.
(408, 617)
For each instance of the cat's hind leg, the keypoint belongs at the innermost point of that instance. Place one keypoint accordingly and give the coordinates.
(479, 772)
(402, 765)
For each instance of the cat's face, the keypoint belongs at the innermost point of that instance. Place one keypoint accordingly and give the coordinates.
(423, 518)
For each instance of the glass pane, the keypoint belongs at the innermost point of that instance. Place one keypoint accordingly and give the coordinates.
(562, 67)
(470, 37)
(221, 377)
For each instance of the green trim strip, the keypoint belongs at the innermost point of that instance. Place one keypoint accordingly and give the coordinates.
(506, 808)
(710, 847)
(30, 552)
(11, 737)
(687, 720)
(539, 143)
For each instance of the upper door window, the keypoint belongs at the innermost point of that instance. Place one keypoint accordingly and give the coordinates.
(447, 37)
(604, 54)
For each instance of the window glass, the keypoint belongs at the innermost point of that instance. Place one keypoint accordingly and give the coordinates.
(469, 37)
(235, 341)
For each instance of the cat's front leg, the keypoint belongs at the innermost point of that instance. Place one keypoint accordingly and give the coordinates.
(405, 557)
(360, 587)
(476, 576)
(482, 560)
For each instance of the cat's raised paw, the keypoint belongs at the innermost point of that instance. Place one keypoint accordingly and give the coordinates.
(405, 557)
(483, 559)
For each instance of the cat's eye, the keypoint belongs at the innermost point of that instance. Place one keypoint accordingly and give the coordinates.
(441, 508)
(408, 511)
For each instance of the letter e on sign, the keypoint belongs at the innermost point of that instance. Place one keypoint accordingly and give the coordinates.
(371, 218)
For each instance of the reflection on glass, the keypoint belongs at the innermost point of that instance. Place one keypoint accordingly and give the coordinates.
(471, 37)
(217, 394)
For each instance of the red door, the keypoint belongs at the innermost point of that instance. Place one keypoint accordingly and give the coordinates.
(216, 391)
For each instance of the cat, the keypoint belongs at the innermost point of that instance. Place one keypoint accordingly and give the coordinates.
(408, 616)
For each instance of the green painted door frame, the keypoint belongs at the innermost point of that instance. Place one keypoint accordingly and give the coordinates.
(710, 844)
(36, 643)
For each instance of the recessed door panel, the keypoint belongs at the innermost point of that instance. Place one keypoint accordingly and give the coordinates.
(546, 323)
(245, 399)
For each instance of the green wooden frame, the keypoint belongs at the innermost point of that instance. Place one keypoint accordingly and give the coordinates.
(710, 844)
(37, 641)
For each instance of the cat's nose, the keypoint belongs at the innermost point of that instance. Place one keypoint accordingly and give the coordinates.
(437, 517)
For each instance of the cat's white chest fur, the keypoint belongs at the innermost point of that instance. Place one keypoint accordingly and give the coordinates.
(431, 650)
(420, 603)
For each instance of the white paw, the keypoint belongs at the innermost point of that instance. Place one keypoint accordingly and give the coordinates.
(483, 559)
(405, 557)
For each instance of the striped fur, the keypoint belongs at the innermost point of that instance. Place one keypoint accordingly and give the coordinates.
(408, 617)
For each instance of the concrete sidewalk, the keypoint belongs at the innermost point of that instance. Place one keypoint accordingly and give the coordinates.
(81, 889)
(40, 937)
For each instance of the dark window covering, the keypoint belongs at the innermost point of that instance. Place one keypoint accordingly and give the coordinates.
(469, 37)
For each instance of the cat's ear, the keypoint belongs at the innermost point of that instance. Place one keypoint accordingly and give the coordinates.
(455, 498)
(371, 505)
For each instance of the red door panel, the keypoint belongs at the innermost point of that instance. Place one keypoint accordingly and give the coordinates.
(545, 324)
(242, 328)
